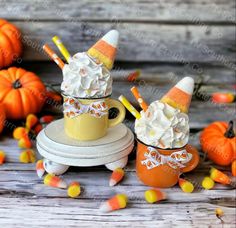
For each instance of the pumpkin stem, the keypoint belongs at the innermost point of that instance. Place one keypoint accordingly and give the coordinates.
(17, 84)
(230, 130)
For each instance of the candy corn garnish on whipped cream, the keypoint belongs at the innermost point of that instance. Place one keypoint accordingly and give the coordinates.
(165, 124)
(87, 74)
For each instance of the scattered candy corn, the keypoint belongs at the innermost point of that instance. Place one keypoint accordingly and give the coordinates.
(31, 121)
(74, 190)
(40, 168)
(233, 168)
(116, 176)
(154, 195)
(219, 212)
(133, 76)
(2, 157)
(38, 128)
(219, 177)
(208, 183)
(25, 143)
(222, 97)
(54, 181)
(20, 132)
(185, 185)
(117, 202)
(27, 156)
(46, 119)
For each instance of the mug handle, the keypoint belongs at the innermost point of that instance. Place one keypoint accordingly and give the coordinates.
(121, 115)
(194, 161)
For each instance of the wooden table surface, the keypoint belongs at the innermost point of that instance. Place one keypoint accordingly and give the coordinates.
(167, 40)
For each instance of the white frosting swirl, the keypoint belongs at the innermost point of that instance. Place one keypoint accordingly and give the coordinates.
(83, 77)
(163, 126)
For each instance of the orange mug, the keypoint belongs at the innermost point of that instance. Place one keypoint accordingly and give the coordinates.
(162, 167)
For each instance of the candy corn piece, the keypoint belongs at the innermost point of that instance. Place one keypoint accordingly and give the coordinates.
(25, 143)
(133, 76)
(61, 47)
(185, 185)
(130, 107)
(219, 177)
(2, 157)
(208, 183)
(38, 128)
(31, 121)
(20, 132)
(223, 97)
(138, 97)
(53, 56)
(116, 176)
(117, 202)
(27, 156)
(154, 195)
(74, 190)
(46, 119)
(40, 168)
(54, 181)
(233, 168)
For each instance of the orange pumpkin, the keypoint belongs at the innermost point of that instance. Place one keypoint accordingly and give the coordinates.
(10, 43)
(219, 142)
(2, 117)
(21, 91)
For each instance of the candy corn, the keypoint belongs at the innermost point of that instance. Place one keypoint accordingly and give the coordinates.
(208, 183)
(117, 202)
(223, 97)
(133, 76)
(40, 168)
(154, 195)
(53, 56)
(38, 128)
(185, 185)
(54, 181)
(46, 119)
(2, 157)
(130, 107)
(74, 190)
(61, 47)
(20, 132)
(219, 177)
(25, 143)
(116, 176)
(31, 121)
(233, 168)
(27, 156)
(138, 97)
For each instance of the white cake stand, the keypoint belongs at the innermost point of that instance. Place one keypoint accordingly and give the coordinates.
(60, 151)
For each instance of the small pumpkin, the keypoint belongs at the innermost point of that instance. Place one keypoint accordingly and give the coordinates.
(219, 142)
(2, 117)
(22, 92)
(10, 43)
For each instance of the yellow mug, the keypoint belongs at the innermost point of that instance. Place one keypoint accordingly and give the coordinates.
(88, 119)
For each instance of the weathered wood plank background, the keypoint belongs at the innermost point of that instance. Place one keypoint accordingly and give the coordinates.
(166, 39)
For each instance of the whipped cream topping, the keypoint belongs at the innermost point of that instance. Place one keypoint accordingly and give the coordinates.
(163, 126)
(84, 78)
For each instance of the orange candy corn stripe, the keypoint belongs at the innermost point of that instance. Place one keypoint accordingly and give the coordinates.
(53, 56)
(138, 97)
(117, 202)
(54, 181)
(219, 177)
(116, 176)
(40, 168)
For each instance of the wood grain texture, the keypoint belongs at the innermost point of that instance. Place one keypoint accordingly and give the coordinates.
(192, 11)
(25, 201)
(138, 41)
